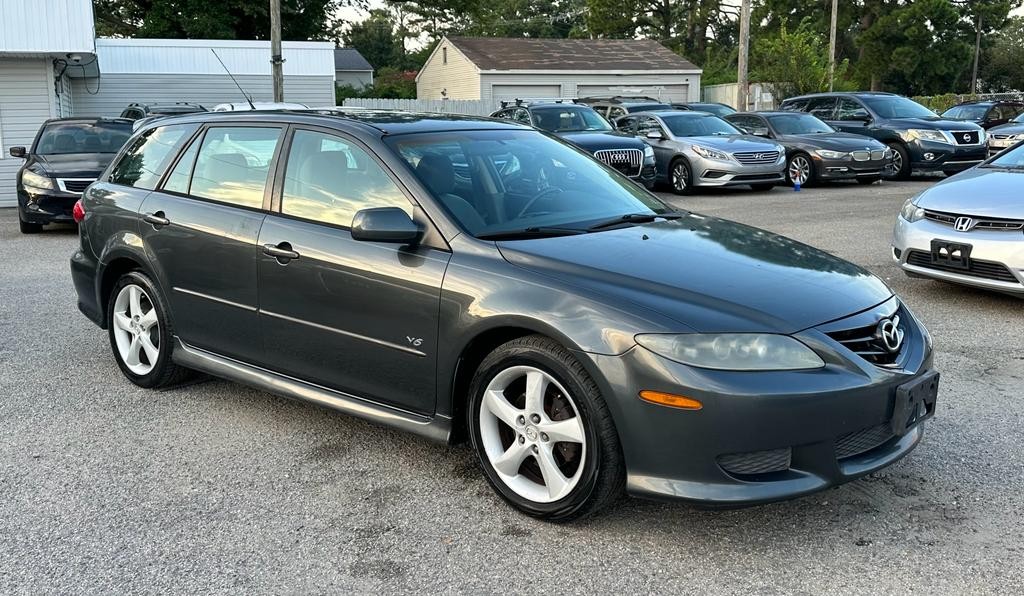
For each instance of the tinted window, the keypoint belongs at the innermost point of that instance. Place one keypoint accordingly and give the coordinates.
(1006, 112)
(61, 138)
(696, 124)
(329, 179)
(233, 164)
(894, 106)
(799, 124)
(745, 121)
(971, 112)
(569, 119)
(713, 108)
(522, 115)
(649, 107)
(626, 125)
(616, 112)
(647, 124)
(849, 109)
(822, 107)
(795, 105)
(146, 158)
(179, 178)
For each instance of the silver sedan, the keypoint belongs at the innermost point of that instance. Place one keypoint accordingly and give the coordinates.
(695, 149)
(968, 229)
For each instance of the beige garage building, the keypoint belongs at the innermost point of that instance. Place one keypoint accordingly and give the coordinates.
(496, 68)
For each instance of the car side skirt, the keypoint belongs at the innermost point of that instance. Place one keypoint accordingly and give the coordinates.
(436, 428)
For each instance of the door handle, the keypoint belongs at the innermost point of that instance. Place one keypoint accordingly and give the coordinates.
(282, 251)
(157, 219)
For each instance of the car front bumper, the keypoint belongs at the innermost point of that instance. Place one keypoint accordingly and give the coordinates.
(932, 156)
(46, 206)
(831, 424)
(714, 173)
(997, 257)
(847, 169)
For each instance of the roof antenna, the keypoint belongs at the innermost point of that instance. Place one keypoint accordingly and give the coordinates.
(247, 98)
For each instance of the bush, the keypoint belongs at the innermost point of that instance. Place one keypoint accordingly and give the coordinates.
(389, 83)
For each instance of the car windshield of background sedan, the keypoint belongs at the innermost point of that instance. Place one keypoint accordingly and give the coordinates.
(1013, 159)
(893, 106)
(966, 112)
(569, 120)
(799, 124)
(509, 184)
(62, 138)
(685, 125)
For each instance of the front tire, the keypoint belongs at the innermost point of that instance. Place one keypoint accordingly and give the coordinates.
(543, 433)
(141, 335)
(680, 178)
(800, 166)
(29, 228)
(900, 161)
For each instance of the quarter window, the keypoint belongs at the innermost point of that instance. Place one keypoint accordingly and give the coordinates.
(146, 158)
(233, 164)
(329, 179)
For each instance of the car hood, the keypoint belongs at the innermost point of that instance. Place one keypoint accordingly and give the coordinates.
(987, 192)
(935, 123)
(597, 140)
(711, 275)
(73, 165)
(733, 143)
(1012, 128)
(833, 141)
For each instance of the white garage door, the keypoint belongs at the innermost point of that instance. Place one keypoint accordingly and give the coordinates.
(509, 92)
(667, 93)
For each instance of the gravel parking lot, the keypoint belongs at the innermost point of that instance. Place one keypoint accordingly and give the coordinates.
(215, 487)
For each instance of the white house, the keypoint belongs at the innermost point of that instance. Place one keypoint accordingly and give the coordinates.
(491, 68)
(351, 69)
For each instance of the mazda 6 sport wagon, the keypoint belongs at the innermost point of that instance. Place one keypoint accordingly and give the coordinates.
(461, 277)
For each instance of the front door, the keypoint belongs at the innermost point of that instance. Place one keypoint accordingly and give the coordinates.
(357, 317)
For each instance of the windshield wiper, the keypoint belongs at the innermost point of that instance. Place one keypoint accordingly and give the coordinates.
(633, 218)
(1003, 166)
(533, 232)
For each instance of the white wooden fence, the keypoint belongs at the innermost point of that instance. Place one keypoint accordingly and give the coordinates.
(471, 107)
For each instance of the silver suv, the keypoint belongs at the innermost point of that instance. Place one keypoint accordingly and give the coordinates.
(698, 149)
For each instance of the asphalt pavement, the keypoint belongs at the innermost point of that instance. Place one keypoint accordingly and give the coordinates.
(214, 487)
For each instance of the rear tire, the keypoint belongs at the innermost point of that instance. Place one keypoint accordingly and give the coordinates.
(29, 228)
(900, 161)
(543, 433)
(141, 335)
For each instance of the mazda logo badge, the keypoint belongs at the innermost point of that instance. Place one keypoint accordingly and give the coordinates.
(890, 333)
(963, 224)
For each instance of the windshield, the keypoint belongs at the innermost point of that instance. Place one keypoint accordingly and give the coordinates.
(894, 106)
(713, 108)
(569, 120)
(62, 138)
(966, 112)
(501, 181)
(691, 125)
(1019, 118)
(1014, 158)
(799, 124)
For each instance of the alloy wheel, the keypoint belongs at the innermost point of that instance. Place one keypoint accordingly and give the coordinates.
(532, 433)
(680, 177)
(799, 170)
(897, 162)
(136, 329)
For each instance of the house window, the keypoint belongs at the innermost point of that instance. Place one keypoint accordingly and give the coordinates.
(444, 55)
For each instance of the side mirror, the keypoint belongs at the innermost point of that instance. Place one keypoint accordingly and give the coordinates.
(654, 134)
(18, 152)
(861, 116)
(385, 224)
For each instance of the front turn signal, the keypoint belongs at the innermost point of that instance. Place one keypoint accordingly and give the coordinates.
(671, 400)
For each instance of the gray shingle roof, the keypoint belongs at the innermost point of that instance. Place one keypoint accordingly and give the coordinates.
(350, 59)
(522, 53)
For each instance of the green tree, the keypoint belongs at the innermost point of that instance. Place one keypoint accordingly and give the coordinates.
(1001, 65)
(378, 40)
(794, 62)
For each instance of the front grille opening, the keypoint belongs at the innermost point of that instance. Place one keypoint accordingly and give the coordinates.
(754, 463)
(626, 161)
(867, 343)
(980, 269)
(862, 441)
(756, 157)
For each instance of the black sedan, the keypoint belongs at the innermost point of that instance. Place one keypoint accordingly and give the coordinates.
(816, 151)
(67, 155)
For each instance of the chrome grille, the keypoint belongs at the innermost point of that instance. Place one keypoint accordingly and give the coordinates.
(861, 155)
(75, 185)
(878, 154)
(964, 137)
(1000, 137)
(866, 341)
(977, 223)
(626, 161)
(752, 158)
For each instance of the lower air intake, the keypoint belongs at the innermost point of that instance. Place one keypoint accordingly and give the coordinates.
(756, 462)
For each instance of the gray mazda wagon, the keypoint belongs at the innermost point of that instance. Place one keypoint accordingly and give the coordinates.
(460, 277)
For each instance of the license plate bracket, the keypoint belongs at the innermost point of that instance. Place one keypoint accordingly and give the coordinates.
(956, 255)
(915, 402)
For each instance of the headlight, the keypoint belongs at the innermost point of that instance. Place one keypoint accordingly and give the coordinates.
(733, 351)
(709, 153)
(648, 152)
(925, 135)
(832, 154)
(33, 180)
(911, 212)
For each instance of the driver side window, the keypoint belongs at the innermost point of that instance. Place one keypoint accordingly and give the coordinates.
(648, 124)
(849, 109)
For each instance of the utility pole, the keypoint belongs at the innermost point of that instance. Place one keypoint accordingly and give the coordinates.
(742, 77)
(977, 56)
(832, 47)
(276, 61)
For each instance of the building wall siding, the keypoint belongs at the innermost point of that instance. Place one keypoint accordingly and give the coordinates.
(46, 26)
(353, 78)
(25, 103)
(111, 93)
(570, 82)
(460, 78)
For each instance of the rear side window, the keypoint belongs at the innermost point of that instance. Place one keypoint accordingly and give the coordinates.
(822, 107)
(233, 165)
(329, 179)
(147, 156)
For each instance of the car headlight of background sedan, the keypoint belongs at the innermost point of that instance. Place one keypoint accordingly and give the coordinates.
(32, 180)
(934, 136)
(709, 153)
(733, 351)
(825, 153)
(911, 212)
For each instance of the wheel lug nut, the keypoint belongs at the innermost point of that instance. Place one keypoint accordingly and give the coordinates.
(522, 439)
(521, 420)
(544, 437)
(535, 418)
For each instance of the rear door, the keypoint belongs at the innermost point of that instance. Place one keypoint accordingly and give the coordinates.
(358, 317)
(201, 227)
